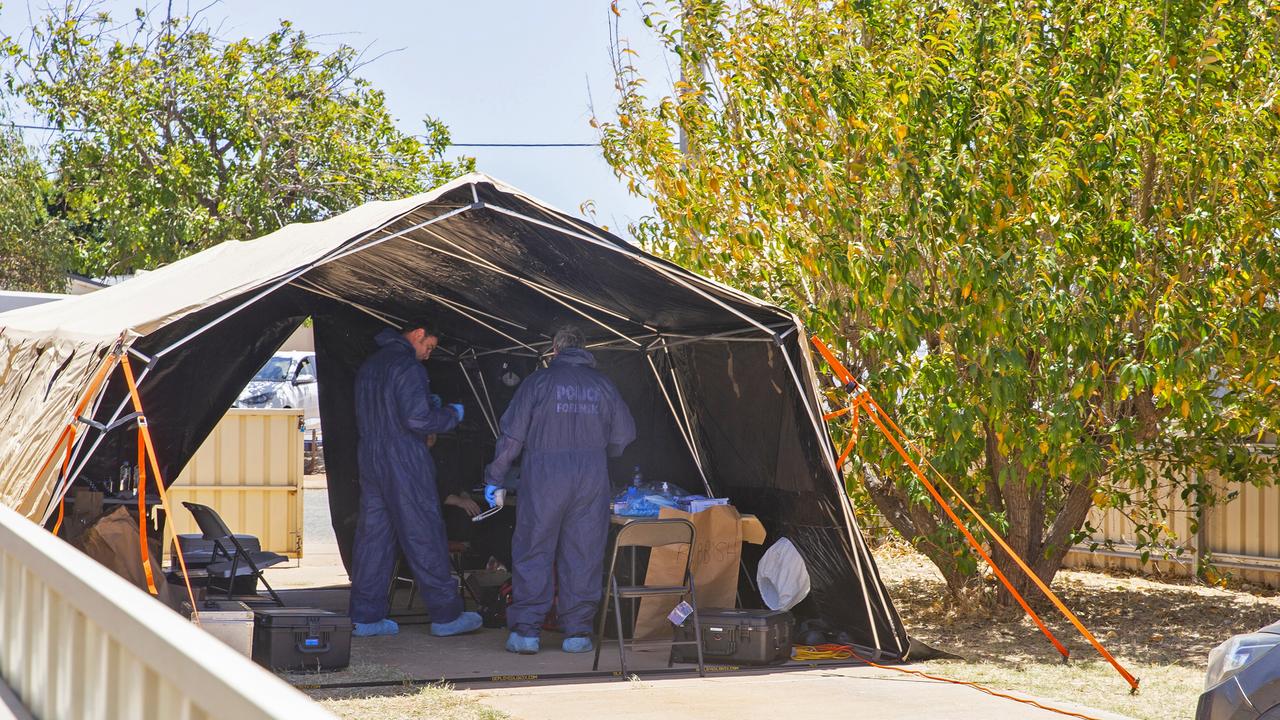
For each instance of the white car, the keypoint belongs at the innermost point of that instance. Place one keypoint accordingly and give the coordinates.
(288, 380)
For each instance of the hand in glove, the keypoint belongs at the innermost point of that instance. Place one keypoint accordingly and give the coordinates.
(457, 410)
(495, 494)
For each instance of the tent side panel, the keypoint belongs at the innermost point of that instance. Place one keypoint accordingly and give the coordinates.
(41, 381)
(767, 458)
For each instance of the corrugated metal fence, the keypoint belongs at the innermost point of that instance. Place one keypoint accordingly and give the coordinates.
(1240, 537)
(249, 469)
(78, 641)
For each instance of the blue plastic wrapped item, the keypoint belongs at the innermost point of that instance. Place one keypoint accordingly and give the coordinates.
(646, 499)
(640, 506)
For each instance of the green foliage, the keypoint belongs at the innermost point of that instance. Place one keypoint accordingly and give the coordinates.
(189, 141)
(1045, 232)
(33, 245)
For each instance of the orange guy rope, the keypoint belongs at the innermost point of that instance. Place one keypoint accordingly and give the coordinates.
(1062, 608)
(875, 412)
(846, 378)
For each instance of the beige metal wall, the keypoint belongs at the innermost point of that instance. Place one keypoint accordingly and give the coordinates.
(79, 641)
(1240, 537)
(249, 469)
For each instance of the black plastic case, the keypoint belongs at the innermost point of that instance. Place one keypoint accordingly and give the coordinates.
(745, 637)
(301, 639)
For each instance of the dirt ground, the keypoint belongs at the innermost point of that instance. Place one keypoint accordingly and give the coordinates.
(1160, 630)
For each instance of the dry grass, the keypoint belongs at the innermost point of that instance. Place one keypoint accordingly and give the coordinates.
(1161, 631)
(437, 702)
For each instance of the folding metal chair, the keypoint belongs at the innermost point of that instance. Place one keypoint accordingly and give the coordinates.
(650, 533)
(225, 543)
(401, 574)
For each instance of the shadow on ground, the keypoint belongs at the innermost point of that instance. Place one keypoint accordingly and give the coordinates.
(1150, 621)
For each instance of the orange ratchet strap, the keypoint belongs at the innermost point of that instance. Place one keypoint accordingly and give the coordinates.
(862, 400)
(68, 436)
(147, 451)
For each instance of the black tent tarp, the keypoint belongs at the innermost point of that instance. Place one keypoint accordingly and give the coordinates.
(721, 383)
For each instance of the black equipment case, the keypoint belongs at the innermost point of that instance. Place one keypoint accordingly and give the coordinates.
(301, 639)
(746, 637)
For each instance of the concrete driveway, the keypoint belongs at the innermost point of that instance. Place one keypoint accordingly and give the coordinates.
(837, 692)
(790, 695)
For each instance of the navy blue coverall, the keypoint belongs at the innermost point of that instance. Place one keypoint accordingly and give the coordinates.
(567, 418)
(399, 503)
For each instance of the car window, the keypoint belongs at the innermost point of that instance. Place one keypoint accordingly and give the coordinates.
(276, 370)
(304, 368)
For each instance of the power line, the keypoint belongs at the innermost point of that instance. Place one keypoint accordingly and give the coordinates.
(24, 126)
(525, 145)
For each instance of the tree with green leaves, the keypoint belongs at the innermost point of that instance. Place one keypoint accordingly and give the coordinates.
(33, 244)
(1046, 234)
(174, 140)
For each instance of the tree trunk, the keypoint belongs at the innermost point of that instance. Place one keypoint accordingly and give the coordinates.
(918, 524)
(1043, 549)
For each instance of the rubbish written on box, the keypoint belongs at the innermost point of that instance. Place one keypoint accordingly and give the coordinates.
(720, 532)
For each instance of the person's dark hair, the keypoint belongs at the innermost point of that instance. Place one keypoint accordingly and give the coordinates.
(568, 336)
(431, 329)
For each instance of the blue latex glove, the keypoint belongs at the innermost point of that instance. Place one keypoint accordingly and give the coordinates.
(496, 495)
(457, 410)
(436, 401)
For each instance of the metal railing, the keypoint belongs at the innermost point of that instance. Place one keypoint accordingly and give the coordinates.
(77, 641)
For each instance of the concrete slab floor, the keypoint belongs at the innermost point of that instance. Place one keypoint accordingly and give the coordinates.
(847, 692)
(503, 680)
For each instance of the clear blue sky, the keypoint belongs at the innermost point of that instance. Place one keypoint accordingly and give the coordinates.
(493, 71)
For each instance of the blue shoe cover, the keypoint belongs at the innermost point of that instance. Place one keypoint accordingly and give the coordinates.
(385, 626)
(464, 623)
(577, 645)
(523, 645)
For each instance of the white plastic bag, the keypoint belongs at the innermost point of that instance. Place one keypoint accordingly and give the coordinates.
(782, 576)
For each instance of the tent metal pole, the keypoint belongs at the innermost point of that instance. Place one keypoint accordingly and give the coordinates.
(58, 490)
(353, 249)
(510, 351)
(615, 248)
(487, 420)
(64, 484)
(532, 285)
(676, 416)
(305, 284)
(475, 319)
(684, 405)
(859, 542)
(493, 413)
(455, 303)
(525, 281)
(807, 395)
(299, 272)
(642, 259)
(727, 336)
(98, 441)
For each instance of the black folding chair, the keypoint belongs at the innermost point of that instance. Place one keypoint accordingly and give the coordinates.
(227, 545)
(650, 533)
